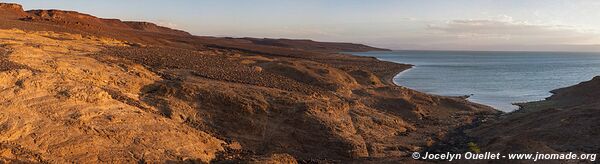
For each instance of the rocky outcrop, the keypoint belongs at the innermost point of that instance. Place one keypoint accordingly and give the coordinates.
(86, 21)
(565, 122)
(11, 10)
(11, 6)
(585, 93)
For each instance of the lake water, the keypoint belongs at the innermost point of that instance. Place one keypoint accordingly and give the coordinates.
(497, 79)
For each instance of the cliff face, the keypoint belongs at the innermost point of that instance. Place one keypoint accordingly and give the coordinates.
(72, 18)
(87, 89)
(81, 20)
(11, 10)
(11, 7)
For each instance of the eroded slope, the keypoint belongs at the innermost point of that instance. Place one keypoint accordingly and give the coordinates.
(313, 109)
(169, 97)
(566, 122)
(62, 108)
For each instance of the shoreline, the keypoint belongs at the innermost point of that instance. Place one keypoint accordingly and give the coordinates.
(387, 78)
(390, 80)
(566, 115)
(557, 110)
(498, 104)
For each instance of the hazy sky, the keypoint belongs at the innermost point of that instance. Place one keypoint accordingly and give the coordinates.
(396, 24)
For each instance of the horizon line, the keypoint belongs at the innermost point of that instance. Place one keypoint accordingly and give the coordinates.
(455, 50)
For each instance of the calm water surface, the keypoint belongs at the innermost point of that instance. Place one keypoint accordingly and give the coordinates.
(497, 79)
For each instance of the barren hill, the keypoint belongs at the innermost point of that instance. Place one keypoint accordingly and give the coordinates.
(568, 121)
(77, 88)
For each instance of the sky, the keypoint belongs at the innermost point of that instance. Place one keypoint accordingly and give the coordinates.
(536, 25)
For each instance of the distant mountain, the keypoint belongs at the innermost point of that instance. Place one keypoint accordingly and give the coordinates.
(315, 46)
(82, 22)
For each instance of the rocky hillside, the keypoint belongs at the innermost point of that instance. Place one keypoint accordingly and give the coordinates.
(76, 88)
(80, 20)
(145, 32)
(568, 121)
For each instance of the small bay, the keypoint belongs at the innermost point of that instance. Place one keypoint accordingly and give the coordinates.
(497, 79)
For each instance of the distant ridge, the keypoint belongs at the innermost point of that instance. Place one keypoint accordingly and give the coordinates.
(82, 22)
(316, 46)
(89, 21)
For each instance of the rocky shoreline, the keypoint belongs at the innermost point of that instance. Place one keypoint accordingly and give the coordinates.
(570, 109)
